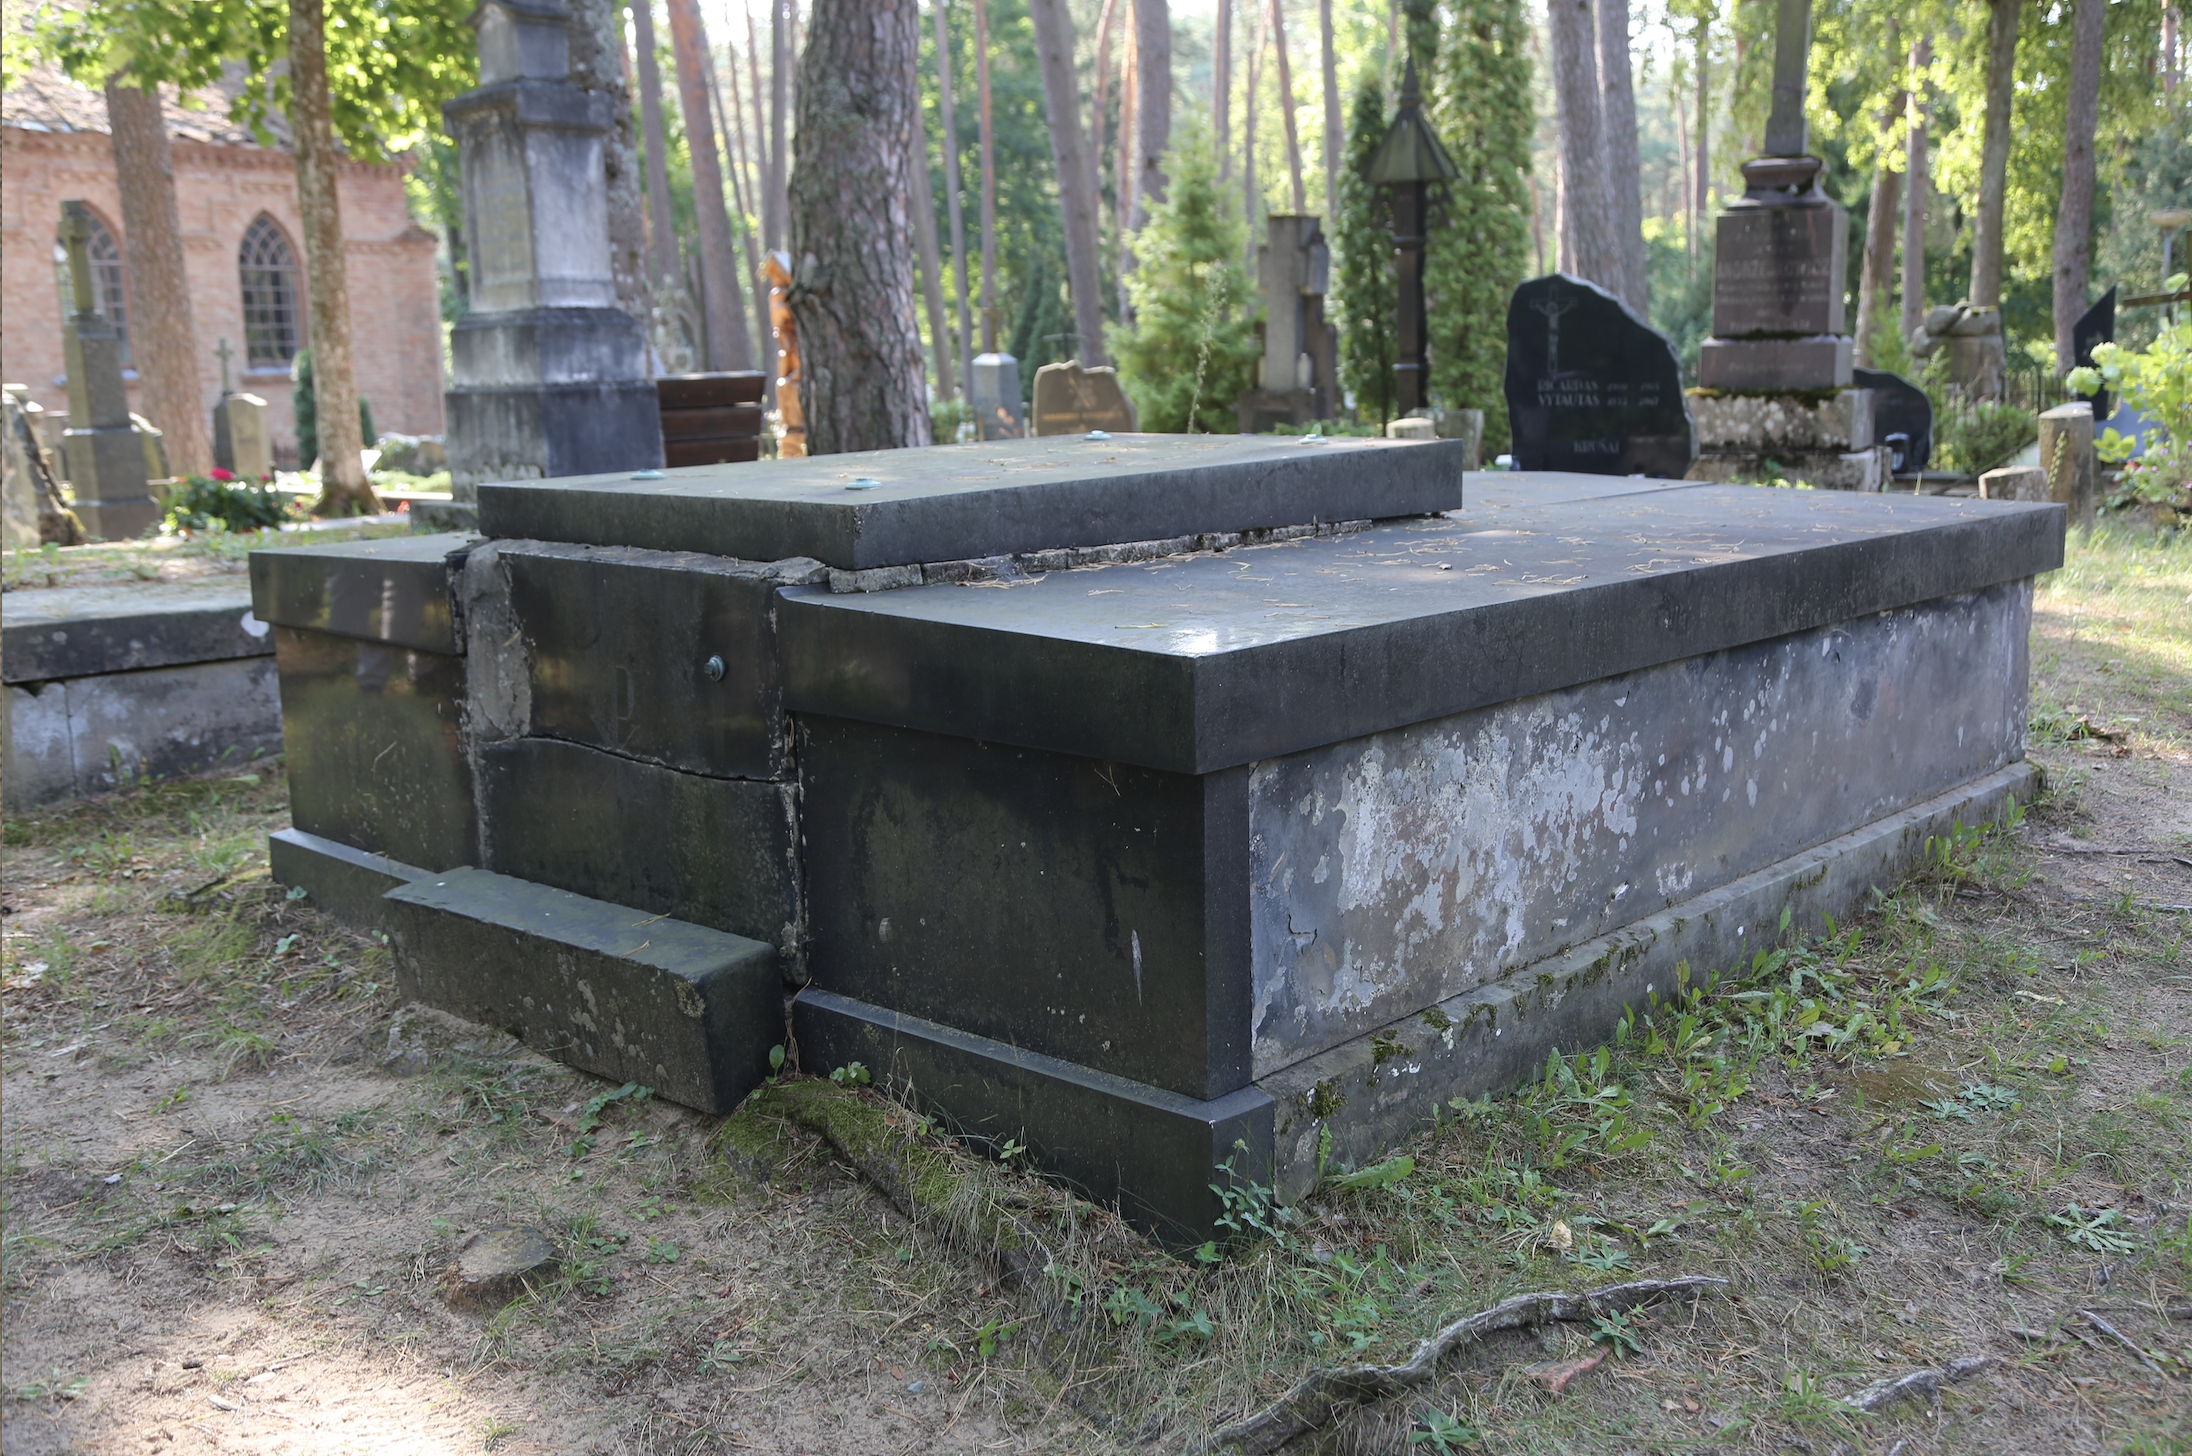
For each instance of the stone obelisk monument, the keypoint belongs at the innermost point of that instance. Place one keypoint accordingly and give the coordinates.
(1774, 396)
(550, 377)
(101, 453)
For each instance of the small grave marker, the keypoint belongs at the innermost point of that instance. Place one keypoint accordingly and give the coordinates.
(1591, 387)
(1070, 400)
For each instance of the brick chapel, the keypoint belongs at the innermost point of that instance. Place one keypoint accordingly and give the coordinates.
(244, 251)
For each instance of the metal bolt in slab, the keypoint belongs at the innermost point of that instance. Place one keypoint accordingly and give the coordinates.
(714, 669)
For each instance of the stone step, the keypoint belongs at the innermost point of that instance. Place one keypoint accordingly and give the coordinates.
(684, 1010)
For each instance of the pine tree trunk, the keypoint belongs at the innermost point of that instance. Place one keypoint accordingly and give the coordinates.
(732, 117)
(1076, 178)
(598, 65)
(163, 339)
(1286, 107)
(851, 231)
(923, 203)
(1333, 133)
(770, 233)
(1876, 277)
(1221, 89)
(782, 60)
(344, 490)
(1152, 102)
(2074, 216)
(2001, 77)
(1702, 196)
(950, 114)
(1623, 169)
(1587, 242)
(723, 300)
(1098, 94)
(987, 137)
(1917, 192)
(662, 250)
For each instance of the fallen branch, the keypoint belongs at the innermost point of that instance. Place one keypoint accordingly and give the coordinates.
(1325, 1394)
(1881, 1394)
(2119, 1337)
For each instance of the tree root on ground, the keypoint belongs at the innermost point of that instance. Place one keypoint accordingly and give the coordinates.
(1325, 1394)
(1881, 1394)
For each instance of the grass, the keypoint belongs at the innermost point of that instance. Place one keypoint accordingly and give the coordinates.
(166, 558)
(2111, 644)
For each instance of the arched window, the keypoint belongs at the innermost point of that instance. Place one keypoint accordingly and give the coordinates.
(108, 293)
(273, 324)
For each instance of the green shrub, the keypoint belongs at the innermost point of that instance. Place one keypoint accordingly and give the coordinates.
(200, 503)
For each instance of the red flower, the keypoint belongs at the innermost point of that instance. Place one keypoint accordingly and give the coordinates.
(222, 475)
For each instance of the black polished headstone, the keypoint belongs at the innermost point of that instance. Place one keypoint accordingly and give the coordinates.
(1899, 407)
(2098, 326)
(1592, 387)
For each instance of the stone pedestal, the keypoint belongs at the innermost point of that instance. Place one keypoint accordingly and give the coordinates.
(1774, 398)
(101, 454)
(551, 378)
(1297, 377)
(998, 412)
(2066, 454)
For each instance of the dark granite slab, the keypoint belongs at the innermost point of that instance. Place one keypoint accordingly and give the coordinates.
(86, 630)
(1229, 658)
(955, 502)
(399, 590)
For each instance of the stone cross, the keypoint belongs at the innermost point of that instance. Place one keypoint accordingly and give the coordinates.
(76, 237)
(223, 353)
(1786, 133)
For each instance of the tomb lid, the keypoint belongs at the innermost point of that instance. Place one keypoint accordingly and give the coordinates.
(399, 589)
(1200, 663)
(80, 631)
(953, 502)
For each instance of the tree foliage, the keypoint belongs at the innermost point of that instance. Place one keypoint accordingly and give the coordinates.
(1192, 350)
(390, 63)
(1364, 288)
(1481, 109)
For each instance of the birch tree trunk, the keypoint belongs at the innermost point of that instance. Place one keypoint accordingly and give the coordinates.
(723, 301)
(2001, 76)
(1076, 178)
(1335, 131)
(598, 64)
(851, 230)
(163, 339)
(1152, 101)
(1624, 170)
(1587, 241)
(344, 490)
(1917, 192)
(2074, 215)
(950, 115)
(1286, 106)
(662, 231)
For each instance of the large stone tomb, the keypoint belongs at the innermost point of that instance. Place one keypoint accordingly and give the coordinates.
(1592, 387)
(1193, 846)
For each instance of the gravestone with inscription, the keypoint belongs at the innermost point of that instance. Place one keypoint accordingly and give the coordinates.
(251, 446)
(1070, 400)
(1774, 399)
(1592, 387)
(550, 376)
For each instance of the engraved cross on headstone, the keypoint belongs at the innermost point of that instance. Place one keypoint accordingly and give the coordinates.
(1786, 133)
(1552, 308)
(224, 353)
(76, 238)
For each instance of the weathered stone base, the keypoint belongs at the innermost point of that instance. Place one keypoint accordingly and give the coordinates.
(1372, 1092)
(1815, 423)
(1861, 470)
(687, 1011)
(92, 735)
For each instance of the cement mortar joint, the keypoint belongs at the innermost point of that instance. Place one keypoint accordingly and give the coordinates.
(1032, 564)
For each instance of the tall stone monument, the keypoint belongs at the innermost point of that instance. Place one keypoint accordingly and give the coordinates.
(1297, 378)
(1774, 391)
(101, 454)
(550, 376)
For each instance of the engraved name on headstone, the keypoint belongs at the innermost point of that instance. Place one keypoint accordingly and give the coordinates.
(1592, 387)
(1779, 270)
